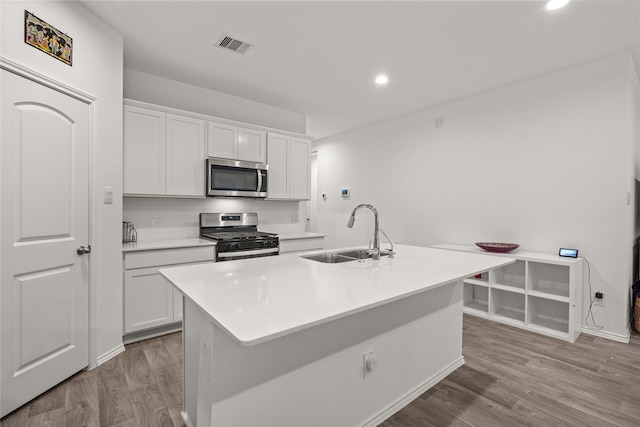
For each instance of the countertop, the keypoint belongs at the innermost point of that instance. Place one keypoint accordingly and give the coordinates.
(297, 235)
(517, 254)
(147, 245)
(260, 299)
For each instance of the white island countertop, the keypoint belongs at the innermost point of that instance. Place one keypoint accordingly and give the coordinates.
(261, 299)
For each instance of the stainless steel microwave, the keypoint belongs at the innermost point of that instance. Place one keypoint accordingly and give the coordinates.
(235, 178)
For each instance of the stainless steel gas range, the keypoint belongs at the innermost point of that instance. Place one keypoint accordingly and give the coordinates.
(237, 236)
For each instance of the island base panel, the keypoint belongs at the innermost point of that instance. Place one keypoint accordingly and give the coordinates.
(314, 377)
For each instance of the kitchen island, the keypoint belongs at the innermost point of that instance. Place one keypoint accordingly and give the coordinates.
(289, 341)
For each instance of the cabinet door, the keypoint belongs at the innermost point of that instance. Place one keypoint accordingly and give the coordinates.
(299, 169)
(148, 299)
(144, 151)
(185, 156)
(223, 141)
(278, 160)
(252, 145)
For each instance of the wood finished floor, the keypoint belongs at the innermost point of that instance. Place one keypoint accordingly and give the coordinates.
(511, 378)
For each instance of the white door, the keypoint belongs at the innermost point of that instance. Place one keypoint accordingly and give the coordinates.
(44, 214)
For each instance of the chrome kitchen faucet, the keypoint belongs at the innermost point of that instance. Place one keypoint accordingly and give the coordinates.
(375, 252)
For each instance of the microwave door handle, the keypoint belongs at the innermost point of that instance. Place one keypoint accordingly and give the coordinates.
(259, 180)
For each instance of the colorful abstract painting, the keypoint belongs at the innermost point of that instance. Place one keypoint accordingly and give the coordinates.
(46, 38)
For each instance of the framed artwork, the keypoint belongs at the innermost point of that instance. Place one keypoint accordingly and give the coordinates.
(48, 39)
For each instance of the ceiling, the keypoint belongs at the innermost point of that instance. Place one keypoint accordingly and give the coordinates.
(320, 58)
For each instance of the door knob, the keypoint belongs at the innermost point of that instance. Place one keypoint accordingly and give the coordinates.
(84, 250)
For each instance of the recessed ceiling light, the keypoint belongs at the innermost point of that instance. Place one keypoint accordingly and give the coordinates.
(382, 79)
(556, 4)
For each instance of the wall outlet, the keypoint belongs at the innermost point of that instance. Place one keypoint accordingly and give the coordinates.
(439, 122)
(156, 222)
(369, 364)
(598, 299)
(294, 218)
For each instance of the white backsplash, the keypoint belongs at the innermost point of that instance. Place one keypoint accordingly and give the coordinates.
(169, 218)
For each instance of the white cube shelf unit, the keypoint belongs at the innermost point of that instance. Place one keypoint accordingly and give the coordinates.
(539, 292)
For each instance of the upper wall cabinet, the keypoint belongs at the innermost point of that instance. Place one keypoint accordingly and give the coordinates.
(163, 154)
(237, 143)
(289, 160)
(144, 151)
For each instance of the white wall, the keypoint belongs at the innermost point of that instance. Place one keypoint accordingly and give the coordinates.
(544, 163)
(97, 71)
(157, 90)
(179, 217)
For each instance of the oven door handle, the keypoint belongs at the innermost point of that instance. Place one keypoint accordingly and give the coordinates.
(248, 253)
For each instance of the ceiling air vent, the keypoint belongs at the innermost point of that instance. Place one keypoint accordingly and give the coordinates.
(235, 45)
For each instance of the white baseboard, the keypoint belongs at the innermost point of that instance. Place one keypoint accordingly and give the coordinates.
(413, 394)
(110, 354)
(608, 335)
(185, 418)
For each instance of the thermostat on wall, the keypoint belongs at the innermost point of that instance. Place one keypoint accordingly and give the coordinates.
(346, 193)
(571, 253)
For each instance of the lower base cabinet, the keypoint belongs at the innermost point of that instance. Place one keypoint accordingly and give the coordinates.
(151, 305)
(539, 292)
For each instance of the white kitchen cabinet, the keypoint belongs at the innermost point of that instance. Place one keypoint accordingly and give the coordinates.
(278, 161)
(148, 300)
(252, 145)
(236, 143)
(151, 304)
(289, 160)
(539, 292)
(299, 169)
(222, 141)
(185, 156)
(163, 154)
(144, 151)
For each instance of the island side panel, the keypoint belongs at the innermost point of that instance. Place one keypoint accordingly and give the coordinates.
(192, 318)
(315, 377)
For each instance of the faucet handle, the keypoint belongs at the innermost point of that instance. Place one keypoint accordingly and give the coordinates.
(390, 242)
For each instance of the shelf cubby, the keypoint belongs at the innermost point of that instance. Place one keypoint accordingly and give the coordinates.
(479, 278)
(538, 292)
(510, 305)
(512, 275)
(549, 314)
(550, 279)
(476, 297)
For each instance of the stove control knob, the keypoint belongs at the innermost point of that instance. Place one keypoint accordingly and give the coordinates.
(235, 245)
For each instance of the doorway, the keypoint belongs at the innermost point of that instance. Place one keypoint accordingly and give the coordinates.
(44, 224)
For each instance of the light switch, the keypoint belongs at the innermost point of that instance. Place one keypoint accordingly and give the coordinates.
(108, 195)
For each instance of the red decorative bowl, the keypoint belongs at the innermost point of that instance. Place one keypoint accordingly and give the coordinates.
(497, 246)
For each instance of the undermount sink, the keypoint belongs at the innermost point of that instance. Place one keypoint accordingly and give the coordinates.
(343, 256)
